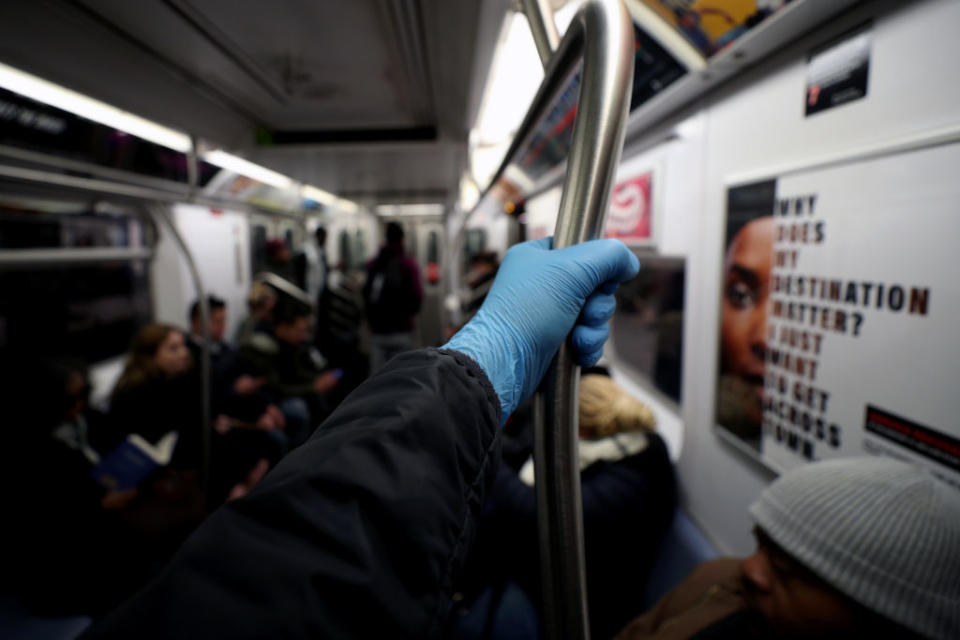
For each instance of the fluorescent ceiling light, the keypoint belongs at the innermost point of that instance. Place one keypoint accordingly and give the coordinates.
(469, 194)
(325, 197)
(318, 195)
(347, 205)
(246, 168)
(422, 209)
(43, 91)
(512, 81)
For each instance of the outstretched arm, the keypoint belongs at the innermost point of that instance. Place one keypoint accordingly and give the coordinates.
(360, 531)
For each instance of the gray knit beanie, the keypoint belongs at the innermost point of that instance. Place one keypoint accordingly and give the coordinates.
(883, 532)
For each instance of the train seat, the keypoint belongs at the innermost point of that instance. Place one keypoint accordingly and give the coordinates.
(683, 548)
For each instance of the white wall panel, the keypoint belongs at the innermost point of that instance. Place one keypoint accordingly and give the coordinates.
(754, 126)
(220, 244)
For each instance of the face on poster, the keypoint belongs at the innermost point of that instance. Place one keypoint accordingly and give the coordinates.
(838, 314)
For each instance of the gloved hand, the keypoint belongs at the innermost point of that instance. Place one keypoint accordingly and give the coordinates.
(536, 299)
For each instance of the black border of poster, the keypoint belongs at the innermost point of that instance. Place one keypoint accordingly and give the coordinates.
(846, 82)
(929, 443)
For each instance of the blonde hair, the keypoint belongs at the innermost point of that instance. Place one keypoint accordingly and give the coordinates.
(261, 295)
(606, 409)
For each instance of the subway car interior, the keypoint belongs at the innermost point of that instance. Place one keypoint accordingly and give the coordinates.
(270, 274)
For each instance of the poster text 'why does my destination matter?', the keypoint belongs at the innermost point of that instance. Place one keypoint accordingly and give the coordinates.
(838, 314)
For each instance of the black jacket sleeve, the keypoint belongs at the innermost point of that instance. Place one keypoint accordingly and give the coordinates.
(358, 533)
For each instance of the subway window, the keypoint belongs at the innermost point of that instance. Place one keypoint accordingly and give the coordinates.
(360, 248)
(475, 241)
(648, 325)
(57, 297)
(258, 247)
(433, 247)
(346, 250)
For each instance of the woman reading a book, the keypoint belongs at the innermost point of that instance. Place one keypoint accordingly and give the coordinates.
(156, 393)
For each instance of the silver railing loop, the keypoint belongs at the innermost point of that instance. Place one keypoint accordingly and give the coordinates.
(602, 35)
(545, 36)
(206, 441)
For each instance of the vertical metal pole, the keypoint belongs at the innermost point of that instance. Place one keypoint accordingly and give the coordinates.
(206, 423)
(193, 169)
(543, 27)
(604, 30)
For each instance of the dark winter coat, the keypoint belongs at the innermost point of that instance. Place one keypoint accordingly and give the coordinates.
(359, 533)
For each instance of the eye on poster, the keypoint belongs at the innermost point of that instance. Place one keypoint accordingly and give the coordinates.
(839, 308)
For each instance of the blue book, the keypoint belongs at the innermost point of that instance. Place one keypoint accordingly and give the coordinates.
(129, 464)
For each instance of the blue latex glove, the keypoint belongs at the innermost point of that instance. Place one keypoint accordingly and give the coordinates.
(538, 296)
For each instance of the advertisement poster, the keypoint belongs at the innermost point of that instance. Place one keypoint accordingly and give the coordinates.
(839, 308)
(838, 73)
(711, 25)
(631, 210)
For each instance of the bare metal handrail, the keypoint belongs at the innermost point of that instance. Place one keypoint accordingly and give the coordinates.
(602, 34)
(163, 214)
(542, 26)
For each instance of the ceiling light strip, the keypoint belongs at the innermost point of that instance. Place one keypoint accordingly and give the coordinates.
(62, 98)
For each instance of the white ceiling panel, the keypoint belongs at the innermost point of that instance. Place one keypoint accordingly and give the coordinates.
(288, 71)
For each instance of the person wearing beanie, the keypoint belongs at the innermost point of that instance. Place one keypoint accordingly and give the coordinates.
(856, 547)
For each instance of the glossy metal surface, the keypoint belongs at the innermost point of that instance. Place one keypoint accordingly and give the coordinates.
(602, 34)
(543, 27)
(206, 425)
(14, 257)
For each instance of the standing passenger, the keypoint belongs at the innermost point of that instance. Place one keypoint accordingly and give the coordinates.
(280, 260)
(311, 266)
(392, 295)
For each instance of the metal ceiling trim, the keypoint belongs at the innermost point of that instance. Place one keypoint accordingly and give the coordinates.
(195, 81)
(231, 49)
(406, 25)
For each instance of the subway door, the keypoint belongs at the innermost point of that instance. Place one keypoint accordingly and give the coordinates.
(430, 256)
(220, 243)
(262, 229)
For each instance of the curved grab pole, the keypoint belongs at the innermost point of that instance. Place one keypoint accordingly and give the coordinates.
(205, 372)
(543, 27)
(603, 32)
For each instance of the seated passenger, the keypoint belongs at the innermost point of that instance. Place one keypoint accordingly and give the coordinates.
(220, 349)
(629, 495)
(222, 355)
(295, 382)
(260, 302)
(159, 392)
(67, 547)
(155, 395)
(232, 393)
(858, 547)
(362, 532)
